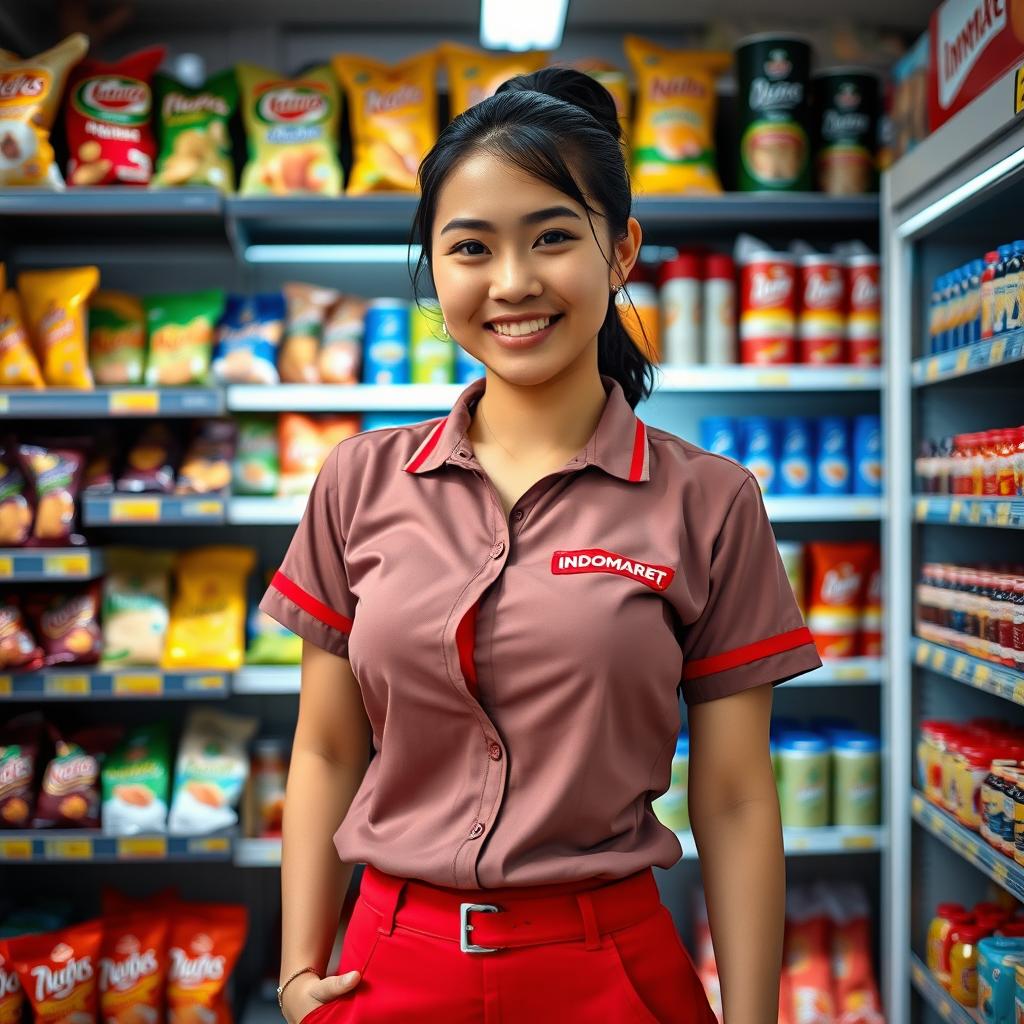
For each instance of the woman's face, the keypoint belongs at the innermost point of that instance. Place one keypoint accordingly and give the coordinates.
(521, 279)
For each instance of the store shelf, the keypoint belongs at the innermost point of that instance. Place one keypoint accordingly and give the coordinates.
(63, 403)
(258, 853)
(843, 672)
(816, 509)
(152, 509)
(123, 684)
(110, 201)
(37, 565)
(809, 841)
(1004, 871)
(982, 675)
(266, 679)
(1007, 513)
(768, 378)
(940, 1000)
(963, 362)
(90, 846)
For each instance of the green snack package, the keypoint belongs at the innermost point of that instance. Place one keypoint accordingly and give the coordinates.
(136, 781)
(117, 338)
(181, 337)
(257, 468)
(195, 141)
(271, 643)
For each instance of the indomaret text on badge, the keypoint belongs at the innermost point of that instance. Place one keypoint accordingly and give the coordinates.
(564, 563)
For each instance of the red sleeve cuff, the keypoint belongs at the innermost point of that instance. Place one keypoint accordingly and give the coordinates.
(748, 653)
(306, 615)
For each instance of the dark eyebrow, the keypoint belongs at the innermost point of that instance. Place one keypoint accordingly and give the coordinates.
(537, 217)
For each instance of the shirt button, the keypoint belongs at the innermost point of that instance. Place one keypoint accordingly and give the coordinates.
(477, 830)
(463, 455)
(498, 550)
(494, 751)
(518, 514)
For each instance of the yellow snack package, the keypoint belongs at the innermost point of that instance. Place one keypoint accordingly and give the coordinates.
(117, 338)
(615, 81)
(291, 126)
(674, 128)
(30, 92)
(19, 367)
(393, 108)
(207, 626)
(55, 307)
(473, 75)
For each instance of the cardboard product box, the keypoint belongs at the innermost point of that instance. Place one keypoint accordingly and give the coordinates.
(907, 99)
(973, 42)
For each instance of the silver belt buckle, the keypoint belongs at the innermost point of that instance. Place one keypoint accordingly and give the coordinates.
(464, 911)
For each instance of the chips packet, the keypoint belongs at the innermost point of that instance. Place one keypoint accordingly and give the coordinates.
(394, 119)
(20, 742)
(248, 337)
(195, 139)
(301, 452)
(69, 796)
(291, 126)
(838, 574)
(257, 469)
(133, 968)
(206, 468)
(308, 305)
(341, 354)
(473, 74)
(67, 624)
(110, 137)
(15, 510)
(673, 137)
(207, 627)
(210, 772)
(150, 463)
(30, 92)
(136, 605)
(181, 337)
(19, 367)
(136, 781)
(117, 338)
(54, 473)
(615, 81)
(270, 643)
(55, 308)
(18, 647)
(12, 995)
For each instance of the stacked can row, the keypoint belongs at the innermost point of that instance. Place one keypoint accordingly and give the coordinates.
(985, 464)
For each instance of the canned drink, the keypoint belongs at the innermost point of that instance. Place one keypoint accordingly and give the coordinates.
(386, 342)
(796, 460)
(867, 455)
(768, 309)
(864, 319)
(431, 354)
(759, 451)
(832, 468)
(680, 295)
(718, 434)
(822, 294)
(846, 102)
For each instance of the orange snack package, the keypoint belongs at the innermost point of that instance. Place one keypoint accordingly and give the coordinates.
(12, 995)
(856, 990)
(18, 365)
(205, 942)
(300, 450)
(869, 640)
(615, 81)
(58, 971)
(394, 119)
(55, 307)
(30, 92)
(473, 75)
(133, 968)
(806, 961)
(838, 575)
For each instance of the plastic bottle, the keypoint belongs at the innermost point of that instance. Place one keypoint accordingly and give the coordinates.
(963, 964)
(939, 928)
(988, 295)
(991, 445)
(1013, 272)
(957, 919)
(1018, 625)
(1006, 445)
(719, 308)
(935, 317)
(680, 298)
(1002, 288)
(974, 269)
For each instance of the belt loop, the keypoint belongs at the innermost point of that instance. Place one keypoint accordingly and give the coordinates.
(393, 889)
(591, 934)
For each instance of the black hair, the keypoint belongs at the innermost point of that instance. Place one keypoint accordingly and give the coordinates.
(539, 122)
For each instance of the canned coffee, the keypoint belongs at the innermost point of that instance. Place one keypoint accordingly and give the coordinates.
(846, 104)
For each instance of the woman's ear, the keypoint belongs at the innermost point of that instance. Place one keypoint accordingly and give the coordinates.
(627, 251)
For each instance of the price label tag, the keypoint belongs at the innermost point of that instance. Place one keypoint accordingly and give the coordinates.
(850, 673)
(956, 509)
(5, 403)
(68, 849)
(1003, 513)
(960, 666)
(142, 847)
(916, 804)
(1018, 693)
(211, 682)
(997, 351)
(772, 380)
(76, 686)
(921, 510)
(15, 849)
(6, 686)
(145, 684)
(6, 567)
(945, 1008)
(962, 359)
(1000, 871)
(203, 509)
(863, 842)
(135, 510)
(974, 515)
(212, 844)
(931, 369)
(921, 654)
(66, 565)
(134, 403)
(798, 842)
(982, 674)
(938, 659)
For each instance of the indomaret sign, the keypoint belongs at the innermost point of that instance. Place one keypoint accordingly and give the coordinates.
(657, 577)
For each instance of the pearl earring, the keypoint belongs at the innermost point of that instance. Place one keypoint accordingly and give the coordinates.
(621, 298)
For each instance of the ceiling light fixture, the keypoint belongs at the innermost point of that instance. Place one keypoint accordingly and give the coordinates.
(522, 24)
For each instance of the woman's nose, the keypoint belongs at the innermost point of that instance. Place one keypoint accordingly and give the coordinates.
(514, 279)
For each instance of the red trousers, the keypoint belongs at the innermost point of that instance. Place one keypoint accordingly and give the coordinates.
(581, 952)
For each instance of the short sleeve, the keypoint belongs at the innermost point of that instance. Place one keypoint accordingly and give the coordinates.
(750, 631)
(309, 593)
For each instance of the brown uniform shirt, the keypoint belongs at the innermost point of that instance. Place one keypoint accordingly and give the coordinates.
(522, 675)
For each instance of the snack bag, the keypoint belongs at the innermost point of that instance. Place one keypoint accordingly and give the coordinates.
(292, 130)
(150, 462)
(257, 469)
(18, 648)
(869, 639)
(308, 305)
(181, 337)
(67, 624)
(673, 135)
(617, 84)
(98, 477)
(210, 772)
(394, 119)
(12, 995)
(301, 451)
(108, 120)
(247, 339)
(15, 511)
(806, 961)
(117, 338)
(70, 794)
(136, 780)
(18, 364)
(207, 628)
(195, 141)
(341, 354)
(55, 307)
(205, 942)
(133, 968)
(136, 605)
(55, 475)
(856, 990)
(206, 468)
(30, 92)
(335, 428)
(473, 75)
(58, 972)
(838, 575)
(19, 755)
(271, 643)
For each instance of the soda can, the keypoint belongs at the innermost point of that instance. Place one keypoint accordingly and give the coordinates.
(832, 465)
(759, 451)
(386, 342)
(718, 434)
(867, 455)
(864, 318)
(768, 309)
(796, 456)
(822, 301)
(431, 354)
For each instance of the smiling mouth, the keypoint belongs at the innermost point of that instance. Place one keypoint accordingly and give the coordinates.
(523, 328)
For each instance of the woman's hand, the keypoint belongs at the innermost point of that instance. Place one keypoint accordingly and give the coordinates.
(308, 992)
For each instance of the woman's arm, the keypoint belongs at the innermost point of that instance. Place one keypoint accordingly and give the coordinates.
(734, 813)
(330, 755)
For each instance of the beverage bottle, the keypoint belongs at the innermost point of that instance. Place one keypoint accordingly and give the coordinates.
(1007, 445)
(999, 281)
(989, 463)
(988, 295)
(1018, 624)
(1013, 276)
(719, 307)
(935, 317)
(680, 294)
(975, 268)
(960, 467)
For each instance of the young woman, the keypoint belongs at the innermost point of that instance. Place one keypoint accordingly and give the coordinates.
(507, 602)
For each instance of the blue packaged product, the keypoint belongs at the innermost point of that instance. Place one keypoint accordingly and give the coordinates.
(1013, 306)
(396, 418)
(719, 434)
(386, 342)
(247, 339)
(1001, 288)
(796, 456)
(867, 454)
(832, 466)
(759, 451)
(467, 367)
(998, 957)
(935, 317)
(977, 269)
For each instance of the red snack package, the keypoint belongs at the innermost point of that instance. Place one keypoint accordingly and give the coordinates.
(869, 640)
(806, 961)
(205, 942)
(149, 465)
(838, 575)
(18, 648)
(55, 474)
(67, 625)
(15, 511)
(133, 969)
(108, 120)
(58, 971)
(856, 991)
(70, 794)
(19, 754)
(12, 996)
(116, 904)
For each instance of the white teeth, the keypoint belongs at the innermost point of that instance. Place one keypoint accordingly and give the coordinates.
(521, 327)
